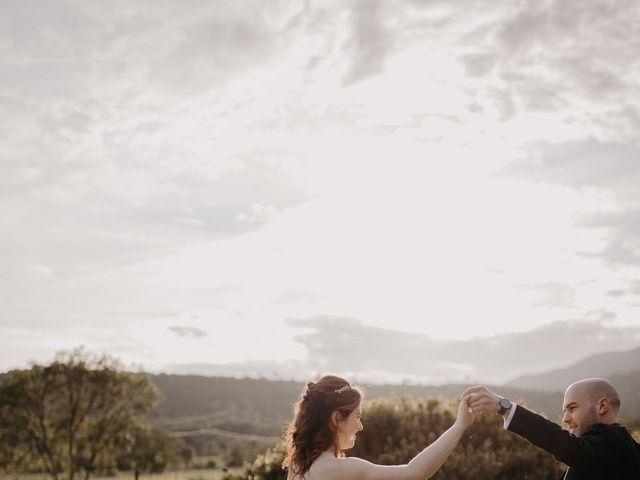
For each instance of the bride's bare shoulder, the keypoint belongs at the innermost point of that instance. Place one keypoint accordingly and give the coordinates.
(323, 468)
(328, 467)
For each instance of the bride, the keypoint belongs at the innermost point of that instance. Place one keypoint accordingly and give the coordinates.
(326, 422)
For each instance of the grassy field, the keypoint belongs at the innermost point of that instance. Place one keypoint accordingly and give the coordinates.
(200, 474)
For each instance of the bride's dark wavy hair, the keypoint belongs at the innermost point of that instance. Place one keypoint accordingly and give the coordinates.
(312, 432)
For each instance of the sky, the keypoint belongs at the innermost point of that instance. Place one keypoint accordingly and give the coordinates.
(412, 191)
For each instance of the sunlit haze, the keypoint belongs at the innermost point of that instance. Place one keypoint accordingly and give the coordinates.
(395, 191)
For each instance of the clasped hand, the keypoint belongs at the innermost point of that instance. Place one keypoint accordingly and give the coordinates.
(482, 400)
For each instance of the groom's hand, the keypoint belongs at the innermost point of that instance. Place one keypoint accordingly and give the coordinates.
(483, 400)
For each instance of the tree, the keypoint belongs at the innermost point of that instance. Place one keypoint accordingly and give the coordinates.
(238, 451)
(12, 457)
(72, 415)
(266, 466)
(151, 451)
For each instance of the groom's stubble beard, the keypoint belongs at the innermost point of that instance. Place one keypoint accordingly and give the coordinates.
(590, 418)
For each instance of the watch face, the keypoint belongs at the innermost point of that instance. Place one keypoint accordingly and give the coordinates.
(504, 403)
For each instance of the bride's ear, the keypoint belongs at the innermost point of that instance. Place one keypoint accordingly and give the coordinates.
(335, 419)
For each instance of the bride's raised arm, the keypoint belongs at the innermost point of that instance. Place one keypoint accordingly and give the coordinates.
(424, 465)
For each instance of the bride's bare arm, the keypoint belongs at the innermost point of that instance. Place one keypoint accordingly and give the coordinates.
(422, 466)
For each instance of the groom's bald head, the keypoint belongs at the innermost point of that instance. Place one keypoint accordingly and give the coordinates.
(595, 389)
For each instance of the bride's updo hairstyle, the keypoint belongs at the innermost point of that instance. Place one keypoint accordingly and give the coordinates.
(312, 432)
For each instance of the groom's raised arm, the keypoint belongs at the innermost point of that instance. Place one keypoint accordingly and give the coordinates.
(588, 450)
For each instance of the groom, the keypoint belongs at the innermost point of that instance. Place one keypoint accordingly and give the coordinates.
(596, 447)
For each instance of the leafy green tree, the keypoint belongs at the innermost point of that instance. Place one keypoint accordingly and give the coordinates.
(13, 458)
(71, 416)
(151, 451)
(266, 466)
(238, 451)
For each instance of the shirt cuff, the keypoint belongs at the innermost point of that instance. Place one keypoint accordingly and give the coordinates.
(507, 420)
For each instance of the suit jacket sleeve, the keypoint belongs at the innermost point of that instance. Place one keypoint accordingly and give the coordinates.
(591, 449)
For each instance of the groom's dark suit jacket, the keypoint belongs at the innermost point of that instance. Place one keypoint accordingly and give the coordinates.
(601, 452)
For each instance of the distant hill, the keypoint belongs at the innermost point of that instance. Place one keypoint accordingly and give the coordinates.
(263, 406)
(243, 405)
(600, 365)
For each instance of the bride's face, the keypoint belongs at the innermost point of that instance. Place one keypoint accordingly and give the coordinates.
(348, 429)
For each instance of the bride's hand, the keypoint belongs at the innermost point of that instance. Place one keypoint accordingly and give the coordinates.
(465, 415)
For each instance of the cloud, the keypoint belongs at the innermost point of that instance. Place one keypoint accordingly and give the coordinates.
(157, 47)
(616, 292)
(553, 294)
(609, 167)
(551, 57)
(523, 31)
(478, 64)
(584, 163)
(45, 50)
(623, 238)
(347, 345)
(297, 296)
(108, 217)
(42, 272)
(192, 332)
(370, 41)
(211, 48)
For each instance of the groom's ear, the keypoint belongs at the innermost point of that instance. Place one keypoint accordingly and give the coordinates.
(602, 406)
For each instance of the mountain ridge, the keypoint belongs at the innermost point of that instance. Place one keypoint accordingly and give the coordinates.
(606, 364)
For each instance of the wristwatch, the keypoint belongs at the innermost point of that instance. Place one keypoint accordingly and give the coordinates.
(504, 406)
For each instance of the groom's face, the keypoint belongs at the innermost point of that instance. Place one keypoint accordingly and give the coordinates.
(579, 410)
